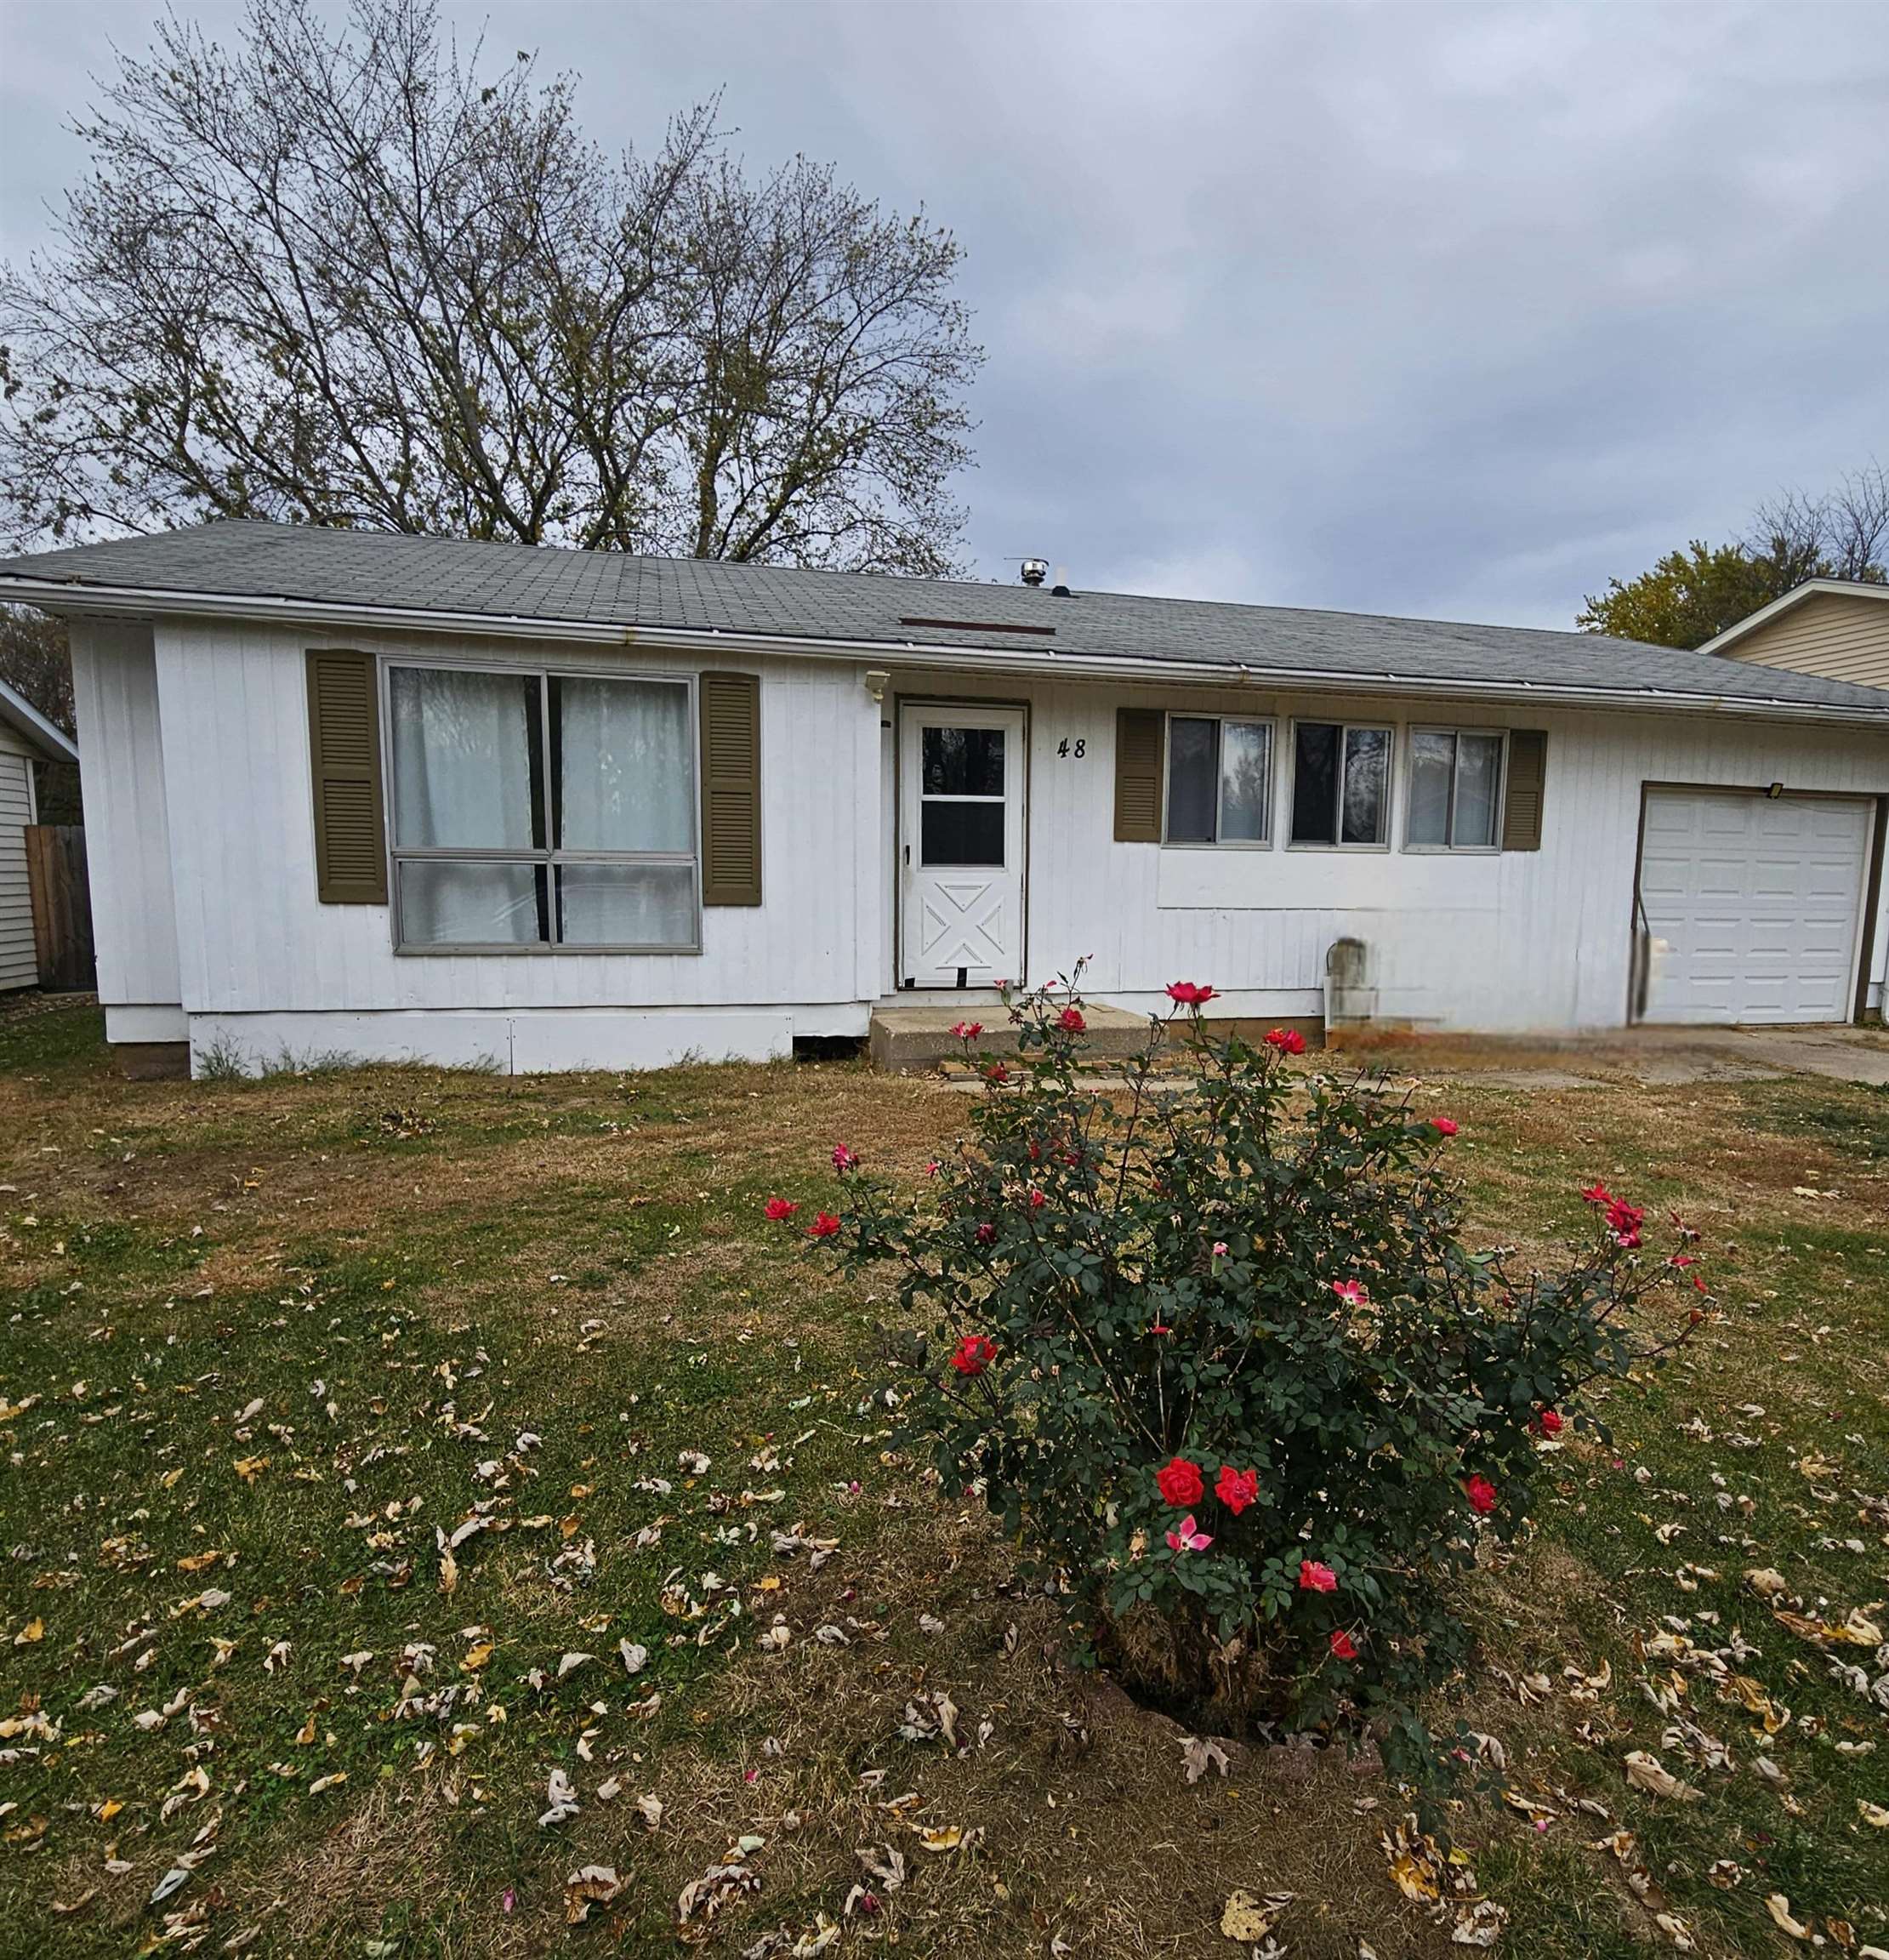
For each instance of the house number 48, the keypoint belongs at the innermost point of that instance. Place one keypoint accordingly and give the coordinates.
(1078, 748)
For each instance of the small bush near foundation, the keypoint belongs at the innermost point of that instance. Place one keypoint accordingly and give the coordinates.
(1214, 1351)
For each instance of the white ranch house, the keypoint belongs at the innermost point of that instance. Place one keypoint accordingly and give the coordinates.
(470, 802)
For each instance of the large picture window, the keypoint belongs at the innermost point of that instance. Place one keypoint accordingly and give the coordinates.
(542, 810)
(1220, 780)
(1455, 789)
(1340, 783)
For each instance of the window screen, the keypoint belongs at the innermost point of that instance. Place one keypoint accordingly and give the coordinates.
(1455, 789)
(1340, 783)
(1220, 779)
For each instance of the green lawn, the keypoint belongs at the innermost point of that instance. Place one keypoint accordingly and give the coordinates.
(268, 1345)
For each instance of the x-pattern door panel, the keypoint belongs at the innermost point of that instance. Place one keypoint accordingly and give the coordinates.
(961, 845)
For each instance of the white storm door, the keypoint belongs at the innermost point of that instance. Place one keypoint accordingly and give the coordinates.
(1758, 900)
(961, 849)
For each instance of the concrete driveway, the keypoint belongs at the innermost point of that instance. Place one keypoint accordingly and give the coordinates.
(1648, 1055)
(1844, 1054)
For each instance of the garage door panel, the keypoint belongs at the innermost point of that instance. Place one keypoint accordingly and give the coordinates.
(1757, 900)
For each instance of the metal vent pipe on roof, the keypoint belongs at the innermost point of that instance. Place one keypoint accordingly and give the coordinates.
(1035, 570)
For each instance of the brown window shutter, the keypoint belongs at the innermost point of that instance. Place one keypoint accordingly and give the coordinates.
(1527, 774)
(344, 736)
(730, 789)
(1138, 761)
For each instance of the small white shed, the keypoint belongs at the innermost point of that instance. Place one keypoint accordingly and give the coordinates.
(25, 736)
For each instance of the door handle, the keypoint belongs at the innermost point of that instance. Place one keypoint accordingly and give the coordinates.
(909, 855)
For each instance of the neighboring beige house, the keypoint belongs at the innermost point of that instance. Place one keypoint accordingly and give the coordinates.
(1826, 626)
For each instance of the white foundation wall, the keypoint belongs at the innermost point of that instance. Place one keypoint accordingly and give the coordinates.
(1509, 942)
(268, 973)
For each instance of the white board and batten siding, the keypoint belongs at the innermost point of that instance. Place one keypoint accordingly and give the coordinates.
(200, 817)
(18, 964)
(127, 857)
(265, 968)
(1510, 941)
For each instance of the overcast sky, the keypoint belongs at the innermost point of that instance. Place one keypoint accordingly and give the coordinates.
(1446, 310)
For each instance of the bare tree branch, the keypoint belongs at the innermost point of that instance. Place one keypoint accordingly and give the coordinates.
(331, 275)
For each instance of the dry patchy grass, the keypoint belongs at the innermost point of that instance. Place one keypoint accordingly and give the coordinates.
(580, 1258)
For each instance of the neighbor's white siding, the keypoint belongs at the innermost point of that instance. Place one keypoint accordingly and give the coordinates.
(260, 951)
(1518, 941)
(18, 966)
(127, 836)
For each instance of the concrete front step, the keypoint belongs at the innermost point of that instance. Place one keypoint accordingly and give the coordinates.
(907, 1038)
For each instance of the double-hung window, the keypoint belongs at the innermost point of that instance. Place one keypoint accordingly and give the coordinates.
(533, 809)
(1220, 780)
(1455, 789)
(1340, 783)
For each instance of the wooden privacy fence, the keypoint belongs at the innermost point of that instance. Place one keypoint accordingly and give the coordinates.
(62, 906)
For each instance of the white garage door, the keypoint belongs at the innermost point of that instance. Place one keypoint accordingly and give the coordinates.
(1758, 900)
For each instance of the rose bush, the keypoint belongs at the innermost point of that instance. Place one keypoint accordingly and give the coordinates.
(1213, 1350)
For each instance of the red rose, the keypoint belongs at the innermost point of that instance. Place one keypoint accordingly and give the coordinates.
(844, 1159)
(985, 1233)
(1442, 1125)
(1622, 1220)
(1314, 1577)
(1550, 1422)
(974, 1354)
(967, 1030)
(780, 1208)
(1481, 1494)
(1071, 1021)
(1237, 1488)
(1179, 1482)
(1598, 1193)
(997, 1073)
(1037, 1199)
(1287, 1040)
(1341, 1645)
(1188, 994)
(824, 1226)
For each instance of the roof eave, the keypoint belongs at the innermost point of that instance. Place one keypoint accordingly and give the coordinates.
(27, 720)
(139, 602)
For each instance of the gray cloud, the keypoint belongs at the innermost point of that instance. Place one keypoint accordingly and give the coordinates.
(1437, 309)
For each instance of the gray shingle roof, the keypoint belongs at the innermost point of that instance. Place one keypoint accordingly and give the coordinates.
(378, 570)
